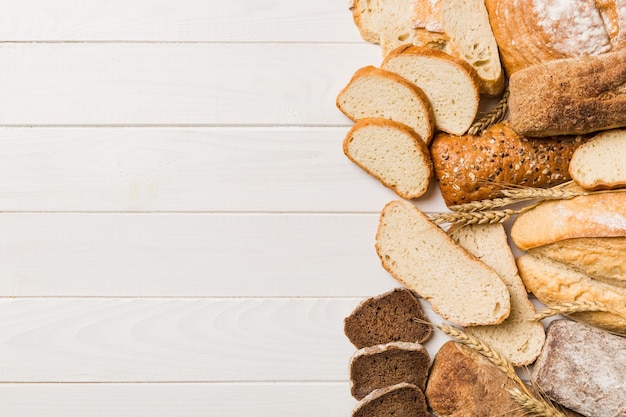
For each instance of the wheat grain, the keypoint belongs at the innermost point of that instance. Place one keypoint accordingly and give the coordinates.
(473, 217)
(533, 406)
(492, 117)
(569, 308)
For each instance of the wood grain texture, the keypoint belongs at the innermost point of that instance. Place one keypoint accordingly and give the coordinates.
(176, 84)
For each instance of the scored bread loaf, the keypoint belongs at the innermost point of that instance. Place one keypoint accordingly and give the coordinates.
(391, 152)
(374, 92)
(451, 84)
(470, 168)
(400, 400)
(569, 96)
(600, 163)
(421, 256)
(518, 338)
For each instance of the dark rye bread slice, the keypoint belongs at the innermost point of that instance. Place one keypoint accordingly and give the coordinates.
(380, 366)
(583, 368)
(401, 400)
(393, 316)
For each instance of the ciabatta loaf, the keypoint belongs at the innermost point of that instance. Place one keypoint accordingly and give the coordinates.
(594, 215)
(420, 255)
(470, 168)
(393, 153)
(451, 85)
(569, 96)
(601, 162)
(374, 92)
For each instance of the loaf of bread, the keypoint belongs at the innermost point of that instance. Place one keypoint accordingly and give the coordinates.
(600, 163)
(421, 256)
(470, 168)
(380, 366)
(583, 368)
(451, 84)
(518, 338)
(569, 96)
(394, 316)
(391, 152)
(400, 400)
(374, 92)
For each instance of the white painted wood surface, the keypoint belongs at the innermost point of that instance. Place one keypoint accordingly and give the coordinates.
(180, 234)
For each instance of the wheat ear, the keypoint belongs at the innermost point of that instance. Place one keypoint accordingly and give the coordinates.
(473, 217)
(494, 116)
(533, 406)
(569, 308)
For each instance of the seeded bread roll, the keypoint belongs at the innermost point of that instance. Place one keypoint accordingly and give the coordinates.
(470, 168)
(394, 316)
(600, 163)
(380, 366)
(400, 400)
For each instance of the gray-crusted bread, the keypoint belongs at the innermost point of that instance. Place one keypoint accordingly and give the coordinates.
(401, 400)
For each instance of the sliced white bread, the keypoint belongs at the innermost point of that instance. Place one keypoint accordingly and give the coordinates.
(517, 338)
(374, 92)
(391, 152)
(451, 84)
(600, 163)
(422, 257)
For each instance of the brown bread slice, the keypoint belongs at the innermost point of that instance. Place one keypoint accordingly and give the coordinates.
(401, 400)
(393, 316)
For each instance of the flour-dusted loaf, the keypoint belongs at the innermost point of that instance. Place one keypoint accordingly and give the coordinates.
(421, 256)
(451, 84)
(391, 152)
(584, 369)
(594, 215)
(555, 283)
(374, 92)
(470, 168)
(400, 400)
(380, 366)
(393, 316)
(600, 163)
(518, 338)
(569, 96)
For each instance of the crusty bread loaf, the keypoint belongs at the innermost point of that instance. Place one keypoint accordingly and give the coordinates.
(380, 366)
(569, 96)
(518, 338)
(601, 162)
(451, 84)
(594, 215)
(400, 400)
(554, 283)
(394, 316)
(374, 92)
(393, 153)
(583, 369)
(421, 256)
(470, 168)
(602, 258)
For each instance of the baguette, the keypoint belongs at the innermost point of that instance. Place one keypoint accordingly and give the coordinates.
(600, 163)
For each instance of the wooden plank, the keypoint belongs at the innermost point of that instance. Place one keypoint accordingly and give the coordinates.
(221, 254)
(183, 20)
(176, 84)
(167, 400)
(186, 169)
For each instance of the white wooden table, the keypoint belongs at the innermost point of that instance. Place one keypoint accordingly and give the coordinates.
(180, 232)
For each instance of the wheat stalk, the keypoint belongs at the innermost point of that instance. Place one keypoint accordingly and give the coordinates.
(473, 217)
(494, 116)
(533, 406)
(569, 308)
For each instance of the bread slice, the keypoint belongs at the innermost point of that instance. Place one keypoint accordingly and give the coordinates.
(554, 283)
(374, 92)
(600, 163)
(380, 366)
(393, 153)
(518, 338)
(451, 84)
(394, 316)
(421, 256)
(594, 215)
(400, 400)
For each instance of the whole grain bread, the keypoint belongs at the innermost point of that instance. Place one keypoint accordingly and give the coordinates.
(380, 366)
(470, 168)
(374, 92)
(583, 368)
(394, 316)
(600, 163)
(421, 256)
(400, 400)
(569, 96)
(518, 338)
(391, 152)
(451, 84)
